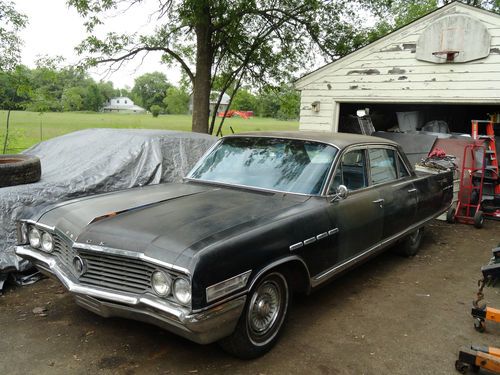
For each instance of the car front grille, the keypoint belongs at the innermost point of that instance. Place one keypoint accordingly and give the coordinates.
(105, 270)
(64, 252)
(117, 273)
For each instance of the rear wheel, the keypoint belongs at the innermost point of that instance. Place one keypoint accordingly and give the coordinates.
(411, 244)
(262, 320)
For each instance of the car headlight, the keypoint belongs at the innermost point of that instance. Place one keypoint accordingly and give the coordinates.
(182, 291)
(47, 242)
(35, 237)
(161, 283)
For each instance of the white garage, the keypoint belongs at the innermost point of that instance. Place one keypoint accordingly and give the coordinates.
(444, 66)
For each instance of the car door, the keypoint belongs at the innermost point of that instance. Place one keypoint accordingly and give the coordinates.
(389, 176)
(358, 219)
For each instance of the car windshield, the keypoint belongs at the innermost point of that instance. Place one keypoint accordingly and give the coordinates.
(278, 164)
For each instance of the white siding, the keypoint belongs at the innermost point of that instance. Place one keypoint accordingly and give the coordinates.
(387, 71)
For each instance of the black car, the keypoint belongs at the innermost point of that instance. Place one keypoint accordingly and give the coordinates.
(260, 216)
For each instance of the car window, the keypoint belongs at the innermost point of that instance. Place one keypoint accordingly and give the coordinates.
(382, 165)
(287, 165)
(351, 172)
(403, 172)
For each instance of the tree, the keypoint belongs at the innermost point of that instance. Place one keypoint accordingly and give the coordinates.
(155, 110)
(11, 22)
(234, 40)
(392, 14)
(244, 100)
(176, 101)
(150, 89)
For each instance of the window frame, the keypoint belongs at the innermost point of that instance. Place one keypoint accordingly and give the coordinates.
(365, 147)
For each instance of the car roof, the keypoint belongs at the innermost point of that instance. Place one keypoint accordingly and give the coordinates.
(341, 140)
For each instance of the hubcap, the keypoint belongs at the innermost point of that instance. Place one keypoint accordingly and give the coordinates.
(264, 308)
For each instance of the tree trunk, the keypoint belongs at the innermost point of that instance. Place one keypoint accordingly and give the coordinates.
(201, 84)
(6, 132)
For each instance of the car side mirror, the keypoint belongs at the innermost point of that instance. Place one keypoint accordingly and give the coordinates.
(341, 193)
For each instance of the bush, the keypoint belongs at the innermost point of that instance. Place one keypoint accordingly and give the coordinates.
(155, 110)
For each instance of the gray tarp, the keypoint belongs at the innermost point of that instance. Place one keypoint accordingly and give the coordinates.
(95, 161)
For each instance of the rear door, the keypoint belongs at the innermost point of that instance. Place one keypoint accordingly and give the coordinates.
(390, 177)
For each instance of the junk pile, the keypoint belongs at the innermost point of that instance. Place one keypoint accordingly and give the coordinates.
(476, 357)
(94, 161)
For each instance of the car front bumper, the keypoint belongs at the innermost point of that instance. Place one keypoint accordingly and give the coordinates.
(201, 327)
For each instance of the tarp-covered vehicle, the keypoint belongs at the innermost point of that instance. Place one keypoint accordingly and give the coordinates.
(95, 161)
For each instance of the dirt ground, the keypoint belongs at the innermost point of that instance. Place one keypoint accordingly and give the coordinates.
(392, 315)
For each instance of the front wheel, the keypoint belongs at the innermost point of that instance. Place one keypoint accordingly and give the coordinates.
(262, 320)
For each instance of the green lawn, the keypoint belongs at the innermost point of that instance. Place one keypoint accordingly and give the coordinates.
(25, 126)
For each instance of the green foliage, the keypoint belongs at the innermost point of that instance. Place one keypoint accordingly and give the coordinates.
(15, 88)
(50, 87)
(282, 102)
(244, 100)
(150, 89)
(176, 101)
(155, 110)
(11, 23)
(393, 14)
(224, 44)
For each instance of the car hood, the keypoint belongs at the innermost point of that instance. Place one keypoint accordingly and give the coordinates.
(162, 221)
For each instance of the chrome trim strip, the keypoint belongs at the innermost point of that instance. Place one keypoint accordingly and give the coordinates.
(275, 264)
(331, 232)
(210, 325)
(217, 183)
(40, 225)
(322, 235)
(131, 254)
(329, 273)
(296, 246)
(310, 241)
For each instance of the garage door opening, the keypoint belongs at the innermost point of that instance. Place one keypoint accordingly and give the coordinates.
(385, 118)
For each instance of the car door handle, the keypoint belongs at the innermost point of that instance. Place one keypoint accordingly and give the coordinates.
(379, 201)
(412, 191)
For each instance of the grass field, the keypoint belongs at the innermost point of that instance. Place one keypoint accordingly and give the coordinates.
(29, 128)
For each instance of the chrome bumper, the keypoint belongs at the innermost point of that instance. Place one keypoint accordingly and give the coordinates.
(203, 327)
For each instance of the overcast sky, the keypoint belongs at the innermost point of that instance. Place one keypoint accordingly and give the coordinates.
(54, 29)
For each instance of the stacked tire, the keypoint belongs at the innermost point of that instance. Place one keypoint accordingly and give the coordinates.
(19, 169)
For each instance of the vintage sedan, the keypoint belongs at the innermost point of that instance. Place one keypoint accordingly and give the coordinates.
(260, 216)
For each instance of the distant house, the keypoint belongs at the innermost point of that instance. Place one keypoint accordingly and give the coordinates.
(214, 96)
(122, 104)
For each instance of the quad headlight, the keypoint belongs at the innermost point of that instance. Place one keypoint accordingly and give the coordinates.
(47, 242)
(166, 285)
(161, 283)
(35, 237)
(182, 291)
